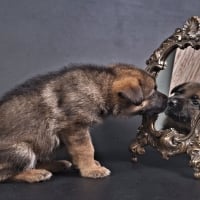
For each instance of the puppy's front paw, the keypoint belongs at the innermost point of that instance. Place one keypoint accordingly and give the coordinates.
(95, 172)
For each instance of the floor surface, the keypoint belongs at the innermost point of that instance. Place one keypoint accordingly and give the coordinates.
(152, 178)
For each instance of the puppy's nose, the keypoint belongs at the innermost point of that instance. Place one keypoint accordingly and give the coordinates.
(172, 102)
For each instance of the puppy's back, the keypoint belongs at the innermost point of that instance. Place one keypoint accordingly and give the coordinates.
(27, 107)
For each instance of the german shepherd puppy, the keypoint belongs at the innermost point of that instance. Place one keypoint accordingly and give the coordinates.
(60, 107)
(182, 106)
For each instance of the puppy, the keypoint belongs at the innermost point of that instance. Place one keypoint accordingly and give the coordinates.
(181, 107)
(60, 107)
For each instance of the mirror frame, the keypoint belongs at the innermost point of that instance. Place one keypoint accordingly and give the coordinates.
(170, 142)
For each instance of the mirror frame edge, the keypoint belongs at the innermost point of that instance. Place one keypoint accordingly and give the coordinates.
(170, 142)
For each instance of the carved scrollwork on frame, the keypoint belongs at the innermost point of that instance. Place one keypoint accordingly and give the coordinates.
(189, 35)
(170, 142)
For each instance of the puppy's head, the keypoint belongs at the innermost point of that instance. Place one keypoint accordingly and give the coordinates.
(134, 91)
(184, 102)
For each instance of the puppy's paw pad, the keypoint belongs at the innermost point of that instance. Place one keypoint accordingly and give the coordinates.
(39, 175)
(97, 172)
(45, 175)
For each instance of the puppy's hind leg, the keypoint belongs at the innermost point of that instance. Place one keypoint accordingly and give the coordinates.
(17, 162)
(32, 175)
(6, 171)
(55, 166)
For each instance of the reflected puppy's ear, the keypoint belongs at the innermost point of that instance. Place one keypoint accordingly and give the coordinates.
(132, 94)
(178, 88)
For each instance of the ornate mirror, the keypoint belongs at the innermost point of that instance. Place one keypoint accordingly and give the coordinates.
(174, 63)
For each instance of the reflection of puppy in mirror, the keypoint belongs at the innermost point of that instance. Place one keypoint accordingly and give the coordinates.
(61, 107)
(182, 106)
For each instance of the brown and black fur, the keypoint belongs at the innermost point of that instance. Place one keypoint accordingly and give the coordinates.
(60, 107)
(182, 106)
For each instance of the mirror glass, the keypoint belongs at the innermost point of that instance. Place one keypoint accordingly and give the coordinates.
(163, 83)
(181, 66)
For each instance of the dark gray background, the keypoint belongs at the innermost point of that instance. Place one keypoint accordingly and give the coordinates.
(37, 36)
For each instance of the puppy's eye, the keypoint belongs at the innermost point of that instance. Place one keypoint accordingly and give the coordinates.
(195, 100)
(194, 97)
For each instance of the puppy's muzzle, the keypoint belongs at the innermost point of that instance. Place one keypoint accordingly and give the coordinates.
(157, 103)
(176, 109)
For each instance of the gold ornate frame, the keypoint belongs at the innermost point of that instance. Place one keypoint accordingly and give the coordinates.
(170, 142)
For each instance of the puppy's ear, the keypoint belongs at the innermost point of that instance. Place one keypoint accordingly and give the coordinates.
(178, 88)
(132, 94)
(129, 88)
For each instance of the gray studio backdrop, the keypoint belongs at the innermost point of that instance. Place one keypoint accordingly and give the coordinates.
(37, 36)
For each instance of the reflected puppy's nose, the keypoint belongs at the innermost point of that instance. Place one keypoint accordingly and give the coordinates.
(174, 103)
